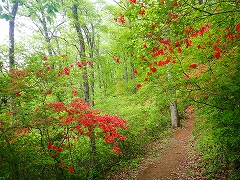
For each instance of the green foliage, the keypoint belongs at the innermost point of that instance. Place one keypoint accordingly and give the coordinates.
(155, 53)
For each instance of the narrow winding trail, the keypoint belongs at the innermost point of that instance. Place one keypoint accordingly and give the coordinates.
(169, 164)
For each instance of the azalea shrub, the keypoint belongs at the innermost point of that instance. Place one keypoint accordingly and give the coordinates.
(46, 128)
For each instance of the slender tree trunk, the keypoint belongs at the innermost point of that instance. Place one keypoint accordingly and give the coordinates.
(11, 34)
(173, 105)
(82, 51)
(133, 76)
(46, 33)
(126, 69)
(82, 54)
(174, 115)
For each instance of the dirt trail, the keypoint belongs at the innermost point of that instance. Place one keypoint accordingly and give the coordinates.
(169, 164)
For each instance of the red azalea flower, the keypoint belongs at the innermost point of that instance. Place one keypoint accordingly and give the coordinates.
(121, 19)
(45, 58)
(154, 25)
(89, 63)
(238, 27)
(217, 55)
(66, 70)
(133, 1)
(193, 66)
(167, 60)
(79, 64)
(18, 94)
(84, 169)
(71, 169)
(135, 72)
(153, 69)
(144, 46)
(179, 50)
(59, 149)
(146, 79)
(142, 12)
(161, 63)
(49, 92)
(175, 4)
(188, 42)
(162, 2)
(138, 85)
(75, 92)
(50, 145)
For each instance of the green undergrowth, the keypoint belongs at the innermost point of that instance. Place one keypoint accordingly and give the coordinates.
(218, 140)
(148, 119)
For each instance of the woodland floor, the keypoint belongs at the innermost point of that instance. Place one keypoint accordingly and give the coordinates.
(174, 160)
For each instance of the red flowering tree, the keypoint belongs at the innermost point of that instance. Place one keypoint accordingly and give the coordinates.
(199, 48)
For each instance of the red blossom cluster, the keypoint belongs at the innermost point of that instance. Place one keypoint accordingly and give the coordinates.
(188, 42)
(193, 66)
(22, 131)
(120, 19)
(200, 32)
(54, 152)
(117, 59)
(45, 58)
(19, 73)
(230, 35)
(83, 120)
(173, 16)
(158, 53)
(167, 61)
(138, 85)
(142, 12)
(175, 4)
(75, 92)
(217, 52)
(18, 94)
(132, 1)
(154, 26)
(65, 71)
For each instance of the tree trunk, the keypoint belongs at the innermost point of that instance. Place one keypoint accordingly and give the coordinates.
(126, 69)
(133, 77)
(82, 52)
(200, 2)
(46, 33)
(11, 34)
(173, 106)
(174, 115)
(82, 55)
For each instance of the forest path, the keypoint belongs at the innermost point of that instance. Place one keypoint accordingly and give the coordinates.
(170, 165)
(171, 162)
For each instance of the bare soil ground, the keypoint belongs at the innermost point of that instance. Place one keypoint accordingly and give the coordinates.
(171, 162)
